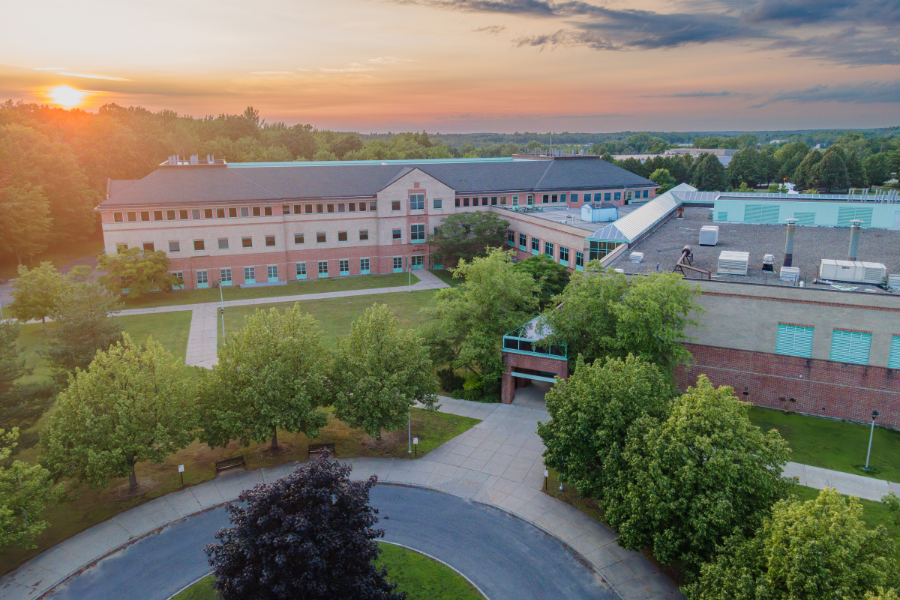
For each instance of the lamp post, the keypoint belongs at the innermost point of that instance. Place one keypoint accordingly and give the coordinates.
(409, 275)
(409, 428)
(222, 309)
(871, 435)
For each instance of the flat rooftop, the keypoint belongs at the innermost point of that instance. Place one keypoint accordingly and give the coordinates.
(662, 249)
(572, 216)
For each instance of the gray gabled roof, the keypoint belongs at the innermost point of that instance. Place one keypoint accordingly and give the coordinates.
(174, 185)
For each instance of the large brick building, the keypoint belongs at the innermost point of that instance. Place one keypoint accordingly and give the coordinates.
(272, 223)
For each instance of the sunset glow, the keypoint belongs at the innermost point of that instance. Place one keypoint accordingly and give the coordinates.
(66, 96)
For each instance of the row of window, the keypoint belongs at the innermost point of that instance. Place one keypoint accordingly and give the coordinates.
(271, 271)
(846, 346)
(416, 234)
(563, 257)
(233, 212)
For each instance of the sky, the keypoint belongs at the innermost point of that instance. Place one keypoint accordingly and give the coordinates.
(455, 66)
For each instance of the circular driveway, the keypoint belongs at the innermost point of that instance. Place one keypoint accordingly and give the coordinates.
(506, 557)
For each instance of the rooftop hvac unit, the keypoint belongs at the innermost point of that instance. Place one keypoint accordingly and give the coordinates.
(768, 263)
(790, 274)
(894, 282)
(637, 257)
(733, 263)
(852, 271)
(709, 235)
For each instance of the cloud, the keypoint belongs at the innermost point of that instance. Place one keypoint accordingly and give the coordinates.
(351, 68)
(492, 29)
(86, 76)
(389, 60)
(808, 12)
(691, 95)
(870, 92)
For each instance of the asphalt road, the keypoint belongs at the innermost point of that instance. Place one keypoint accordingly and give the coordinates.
(505, 556)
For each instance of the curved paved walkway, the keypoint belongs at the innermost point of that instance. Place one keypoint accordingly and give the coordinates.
(508, 559)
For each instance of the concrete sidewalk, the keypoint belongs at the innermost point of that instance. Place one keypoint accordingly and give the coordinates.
(845, 483)
(497, 462)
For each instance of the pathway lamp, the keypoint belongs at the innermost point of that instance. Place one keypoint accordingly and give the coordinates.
(871, 435)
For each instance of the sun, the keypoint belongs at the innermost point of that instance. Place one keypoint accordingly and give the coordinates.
(66, 96)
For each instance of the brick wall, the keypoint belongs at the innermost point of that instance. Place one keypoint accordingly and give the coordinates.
(527, 362)
(811, 386)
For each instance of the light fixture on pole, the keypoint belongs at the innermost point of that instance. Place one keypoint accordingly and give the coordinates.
(222, 310)
(871, 435)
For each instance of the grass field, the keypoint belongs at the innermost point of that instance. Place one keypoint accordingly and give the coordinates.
(447, 277)
(292, 288)
(95, 506)
(336, 314)
(419, 576)
(835, 445)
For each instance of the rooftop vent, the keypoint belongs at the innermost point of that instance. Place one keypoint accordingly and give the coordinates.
(709, 235)
(852, 271)
(637, 257)
(733, 263)
(790, 274)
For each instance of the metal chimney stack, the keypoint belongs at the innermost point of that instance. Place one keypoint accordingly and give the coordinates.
(789, 243)
(854, 239)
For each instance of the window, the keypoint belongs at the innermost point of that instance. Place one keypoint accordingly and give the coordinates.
(628, 197)
(225, 277)
(232, 212)
(465, 201)
(794, 340)
(398, 264)
(554, 198)
(587, 198)
(208, 213)
(270, 240)
(607, 196)
(298, 209)
(574, 197)
(202, 279)
(170, 215)
(308, 209)
(149, 247)
(373, 206)
(363, 234)
(341, 207)
(272, 273)
(618, 196)
(397, 234)
(850, 346)
(548, 249)
(343, 268)
(562, 197)
(515, 200)
(117, 217)
(545, 199)
(457, 202)
(530, 199)
(417, 233)
(249, 274)
(352, 207)
(132, 217)
(301, 270)
(174, 246)
(247, 242)
(894, 359)
(646, 193)
(417, 202)
(564, 256)
(435, 230)
(484, 201)
(257, 211)
(342, 236)
(417, 263)
(320, 209)
(364, 266)
(579, 261)
(145, 215)
(220, 213)
(121, 247)
(523, 241)
(321, 238)
(535, 245)
(323, 268)
(331, 208)
(245, 211)
(199, 245)
(438, 203)
(395, 205)
(267, 211)
(285, 209)
(502, 200)
(223, 243)
(298, 238)
(196, 213)
(598, 250)
(183, 215)
(510, 237)
(179, 280)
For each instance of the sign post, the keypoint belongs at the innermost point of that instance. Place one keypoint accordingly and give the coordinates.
(416, 446)
(181, 472)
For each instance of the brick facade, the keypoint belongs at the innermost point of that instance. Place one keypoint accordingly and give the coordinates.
(526, 363)
(810, 386)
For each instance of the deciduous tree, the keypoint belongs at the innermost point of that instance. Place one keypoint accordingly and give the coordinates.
(592, 414)
(308, 536)
(134, 403)
(36, 292)
(380, 372)
(814, 550)
(24, 221)
(552, 276)
(700, 476)
(12, 363)
(137, 270)
(24, 492)
(272, 374)
(664, 179)
(466, 235)
(708, 174)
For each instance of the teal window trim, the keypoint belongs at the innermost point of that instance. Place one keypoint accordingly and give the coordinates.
(512, 344)
(564, 263)
(535, 377)
(343, 268)
(894, 360)
(850, 346)
(794, 340)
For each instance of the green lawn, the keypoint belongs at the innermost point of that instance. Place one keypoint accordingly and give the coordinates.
(293, 288)
(336, 314)
(447, 277)
(419, 576)
(835, 445)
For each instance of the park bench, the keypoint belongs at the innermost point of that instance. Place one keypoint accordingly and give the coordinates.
(317, 449)
(230, 463)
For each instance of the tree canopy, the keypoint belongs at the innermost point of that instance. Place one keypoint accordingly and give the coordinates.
(136, 270)
(36, 292)
(466, 235)
(25, 490)
(308, 536)
(552, 276)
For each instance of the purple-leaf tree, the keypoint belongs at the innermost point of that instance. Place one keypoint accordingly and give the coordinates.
(308, 536)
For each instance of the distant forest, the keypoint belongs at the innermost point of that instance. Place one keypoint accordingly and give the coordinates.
(55, 163)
